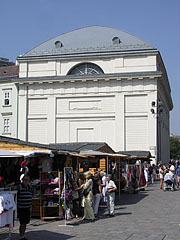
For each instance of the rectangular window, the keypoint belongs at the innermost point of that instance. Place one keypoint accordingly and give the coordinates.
(6, 125)
(6, 98)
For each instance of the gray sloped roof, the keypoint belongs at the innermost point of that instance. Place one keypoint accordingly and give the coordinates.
(89, 39)
(137, 154)
(73, 147)
(21, 142)
(79, 146)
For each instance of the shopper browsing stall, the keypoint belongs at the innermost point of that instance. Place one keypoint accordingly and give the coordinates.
(111, 188)
(87, 191)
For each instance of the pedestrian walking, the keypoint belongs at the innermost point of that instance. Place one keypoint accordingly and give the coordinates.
(153, 177)
(146, 175)
(97, 193)
(111, 188)
(161, 176)
(24, 202)
(150, 173)
(178, 176)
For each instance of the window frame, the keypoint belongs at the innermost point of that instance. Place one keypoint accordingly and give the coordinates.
(84, 69)
(6, 125)
(7, 97)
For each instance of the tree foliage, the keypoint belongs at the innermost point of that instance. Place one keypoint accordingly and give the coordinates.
(175, 148)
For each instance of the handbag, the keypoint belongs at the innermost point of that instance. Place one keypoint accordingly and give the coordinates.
(86, 192)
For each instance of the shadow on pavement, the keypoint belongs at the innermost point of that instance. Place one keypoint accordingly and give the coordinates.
(38, 235)
(128, 199)
(97, 219)
(47, 235)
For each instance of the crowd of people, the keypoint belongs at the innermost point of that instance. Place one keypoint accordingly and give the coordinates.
(169, 174)
(88, 192)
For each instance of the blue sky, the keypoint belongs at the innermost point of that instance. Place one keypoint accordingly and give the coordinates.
(27, 23)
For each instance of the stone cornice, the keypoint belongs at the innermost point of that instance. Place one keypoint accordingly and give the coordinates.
(105, 54)
(86, 78)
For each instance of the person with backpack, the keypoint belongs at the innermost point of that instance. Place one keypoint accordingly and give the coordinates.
(97, 193)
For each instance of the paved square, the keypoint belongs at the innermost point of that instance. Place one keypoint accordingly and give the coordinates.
(151, 215)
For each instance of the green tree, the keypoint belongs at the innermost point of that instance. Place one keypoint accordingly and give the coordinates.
(175, 148)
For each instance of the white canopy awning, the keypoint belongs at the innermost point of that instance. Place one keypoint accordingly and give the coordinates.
(98, 153)
(7, 154)
(31, 153)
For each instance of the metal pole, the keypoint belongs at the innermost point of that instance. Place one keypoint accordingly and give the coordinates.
(65, 195)
(119, 180)
(107, 164)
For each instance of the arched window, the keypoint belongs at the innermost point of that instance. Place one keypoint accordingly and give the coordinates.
(86, 69)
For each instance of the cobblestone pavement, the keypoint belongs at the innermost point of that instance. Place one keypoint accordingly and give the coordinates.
(151, 215)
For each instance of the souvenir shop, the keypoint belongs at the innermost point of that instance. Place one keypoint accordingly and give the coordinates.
(47, 181)
(52, 174)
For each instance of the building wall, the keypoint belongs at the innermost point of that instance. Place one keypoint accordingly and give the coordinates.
(116, 112)
(112, 110)
(39, 68)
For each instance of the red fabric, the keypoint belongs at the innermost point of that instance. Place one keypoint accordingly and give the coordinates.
(23, 163)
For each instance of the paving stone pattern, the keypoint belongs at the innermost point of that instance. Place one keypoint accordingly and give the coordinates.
(149, 215)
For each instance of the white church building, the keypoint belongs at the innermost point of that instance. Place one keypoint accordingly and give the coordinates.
(94, 84)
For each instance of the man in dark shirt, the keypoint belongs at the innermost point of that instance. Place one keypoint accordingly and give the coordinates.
(97, 193)
(24, 202)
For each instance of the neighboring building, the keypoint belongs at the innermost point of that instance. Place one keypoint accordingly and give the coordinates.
(4, 62)
(8, 97)
(95, 84)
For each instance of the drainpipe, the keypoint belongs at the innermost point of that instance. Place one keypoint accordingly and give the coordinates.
(17, 109)
(27, 113)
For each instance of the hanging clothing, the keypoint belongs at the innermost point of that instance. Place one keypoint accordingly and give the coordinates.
(7, 207)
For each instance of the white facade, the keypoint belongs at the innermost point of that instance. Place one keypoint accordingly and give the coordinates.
(120, 107)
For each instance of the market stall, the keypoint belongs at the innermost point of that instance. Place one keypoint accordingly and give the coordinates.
(132, 170)
(102, 161)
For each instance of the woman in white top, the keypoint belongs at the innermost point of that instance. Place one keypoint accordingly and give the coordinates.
(146, 175)
(103, 185)
(161, 171)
